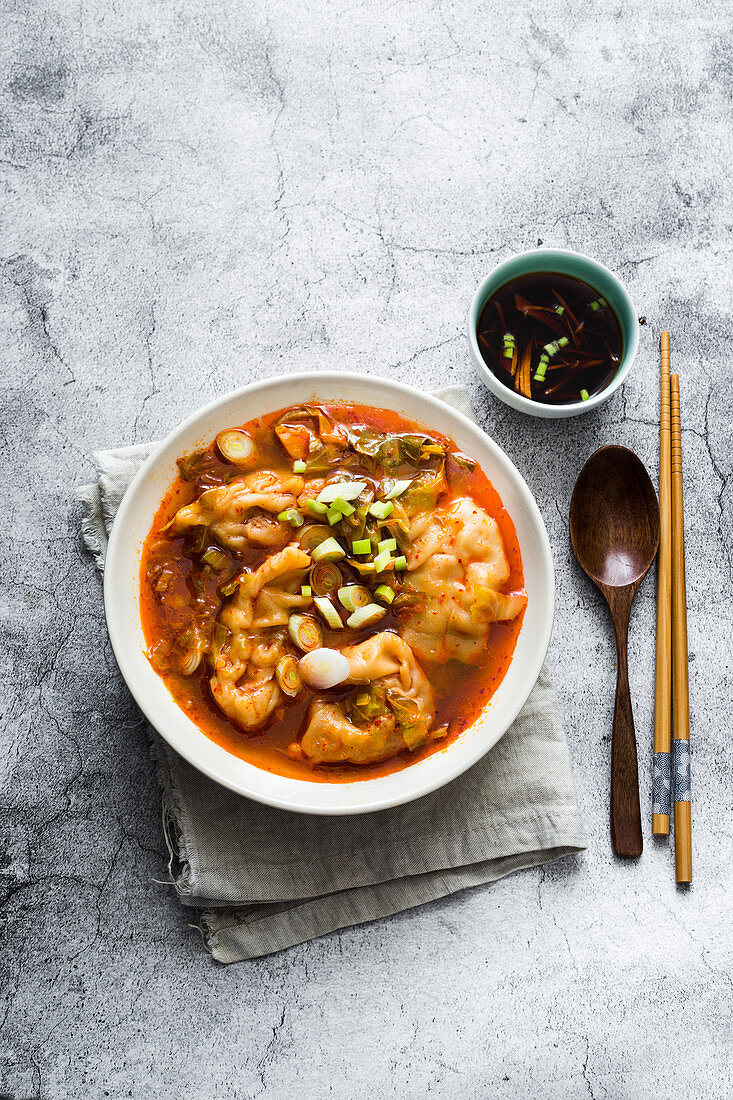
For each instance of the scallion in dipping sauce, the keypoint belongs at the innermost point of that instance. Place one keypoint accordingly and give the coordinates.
(551, 338)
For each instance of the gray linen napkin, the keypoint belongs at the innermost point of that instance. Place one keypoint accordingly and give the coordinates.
(264, 879)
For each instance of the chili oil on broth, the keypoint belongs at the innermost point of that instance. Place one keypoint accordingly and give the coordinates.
(462, 691)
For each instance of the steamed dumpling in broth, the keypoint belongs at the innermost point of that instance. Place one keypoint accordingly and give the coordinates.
(243, 512)
(457, 569)
(243, 684)
(384, 663)
(353, 531)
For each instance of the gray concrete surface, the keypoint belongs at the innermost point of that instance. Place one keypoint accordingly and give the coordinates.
(195, 195)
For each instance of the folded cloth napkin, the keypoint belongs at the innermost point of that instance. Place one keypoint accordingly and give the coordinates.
(265, 879)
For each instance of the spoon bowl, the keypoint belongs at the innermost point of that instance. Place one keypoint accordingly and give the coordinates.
(614, 518)
(614, 533)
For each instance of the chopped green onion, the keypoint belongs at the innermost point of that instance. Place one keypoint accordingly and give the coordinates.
(365, 616)
(354, 595)
(382, 561)
(384, 593)
(400, 563)
(214, 557)
(362, 546)
(235, 446)
(509, 345)
(397, 489)
(230, 587)
(291, 516)
(329, 550)
(287, 675)
(554, 346)
(387, 544)
(341, 490)
(584, 395)
(381, 509)
(334, 516)
(362, 699)
(329, 612)
(299, 466)
(362, 567)
(305, 632)
(600, 303)
(343, 507)
(315, 507)
(305, 590)
(559, 310)
(311, 536)
(325, 578)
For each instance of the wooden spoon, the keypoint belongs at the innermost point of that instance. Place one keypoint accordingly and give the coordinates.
(614, 531)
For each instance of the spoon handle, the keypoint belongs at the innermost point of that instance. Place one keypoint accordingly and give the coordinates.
(625, 811)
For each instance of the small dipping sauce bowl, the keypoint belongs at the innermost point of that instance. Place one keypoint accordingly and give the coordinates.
(577, 266)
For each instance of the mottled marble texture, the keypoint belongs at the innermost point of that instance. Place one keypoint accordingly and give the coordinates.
(195, 195)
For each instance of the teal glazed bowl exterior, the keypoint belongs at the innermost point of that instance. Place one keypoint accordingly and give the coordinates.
(563, 262)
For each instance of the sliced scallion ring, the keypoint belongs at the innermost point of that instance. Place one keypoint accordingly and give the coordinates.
(305, 632)
(190, 662)
(311, 536)
(329, 612)
(382, 560)
(329, 550)
(381, 509)
(234, 445)
(325, 578)
(341, 490)
(288, 676)
(354, 595)
(366, 616)
(291, 516)
(384, 593)
(315, 507)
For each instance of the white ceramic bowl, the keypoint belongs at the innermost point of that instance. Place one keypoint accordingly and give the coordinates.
(564, 262)
(122, 581)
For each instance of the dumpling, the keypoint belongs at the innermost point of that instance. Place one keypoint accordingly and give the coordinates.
(243, 682)
(243, 512)
(333, 736)
(386, 656)
(456, 569)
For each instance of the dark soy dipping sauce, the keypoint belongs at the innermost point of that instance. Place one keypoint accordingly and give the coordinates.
(533, 311)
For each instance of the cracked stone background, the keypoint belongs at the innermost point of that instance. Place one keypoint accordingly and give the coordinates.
(198, 195)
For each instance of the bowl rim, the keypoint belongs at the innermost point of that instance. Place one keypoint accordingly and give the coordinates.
(519, 401)
(299, 802)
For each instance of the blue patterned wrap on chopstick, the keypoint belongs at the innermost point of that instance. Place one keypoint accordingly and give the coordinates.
(681, 768)
(661, 784)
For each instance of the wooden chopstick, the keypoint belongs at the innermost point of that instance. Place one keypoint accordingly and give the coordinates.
(662, 773)
(680, 682)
